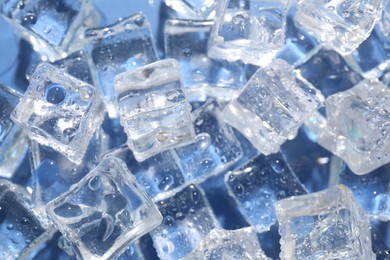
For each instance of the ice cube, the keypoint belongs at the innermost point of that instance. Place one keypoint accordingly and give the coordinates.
(104, 212)
(272, 106)
(251, 31)
(358, 126)
(13, 142)
(122, 46)
(187, 219)
(21, 229)
(59, 111)
(158, 175)
(194, 9)
(229, 244)
(215, 148)
(54, 28)
(186, 41)
(325, 225)
(153, 108)
(257, 186)
(343, 25)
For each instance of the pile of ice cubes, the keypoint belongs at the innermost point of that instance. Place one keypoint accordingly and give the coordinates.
(225, 129)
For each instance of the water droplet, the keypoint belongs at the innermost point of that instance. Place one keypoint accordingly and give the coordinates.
(24, 221)
(94, 183)
(278, 166)
(203, 141)
(10, 226)
(29, 19)
(169, 221)
(69, 134)
(55, 93)
(206, 163)
(163, 136)
(239, 189)
(166, 183)
(174, 96)
(139, 20)
(198, 75)
(86, 93)
(187, 52)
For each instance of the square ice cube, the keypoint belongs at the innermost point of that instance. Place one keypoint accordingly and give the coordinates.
(21, 229)
(324, 225)
(257, 186)
(272, 106)
(215, 148)
(229, 244)
(13, 142)
(122, 46)
(194, 9)
(104, 212)
(358, 126)
(187, 218)
(59, 111)
(251, 31)
(153, 108)
(186, 41)
(343, 25)
(54, 28)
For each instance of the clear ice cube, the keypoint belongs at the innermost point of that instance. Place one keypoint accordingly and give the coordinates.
(343, 25)
(215, 148)
(13, 142)
(104, 212)
(358, 126)
(274, 104)
(153, 108)
(22, 230)
(54, 28)
(325, 225)
(251, 31)
(229, 245)
(122, 46)
(158, 175)
(257, 186)
(194, 9)
(187, 218)
(59, 111)
(186, 41)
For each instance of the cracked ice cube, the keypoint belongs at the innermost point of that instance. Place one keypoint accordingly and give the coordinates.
(358, 126)
(122, 46)
(153, 109)
(324, 225)
(343, 25)
(54, 28)
(272, 106)
(104, 212)
(59, 111)
(251, 31)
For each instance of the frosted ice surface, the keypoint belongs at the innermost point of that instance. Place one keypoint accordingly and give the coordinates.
(13, 142)
(187, 220)
(104, 212)
(21, 229)
(228, 245)
(153, 108)
(343, 25)
(358, 126)
(54, 28)
(59, 111)
(186, 41)
(194, 9)
(122, 46)
(274, 104)
(251, 31)
(324, 225)
(257, 186)
(215, 148)
(157, 175)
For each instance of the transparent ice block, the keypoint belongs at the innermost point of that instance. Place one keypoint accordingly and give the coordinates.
(229, 245)
(54, 28)
(257, 186)
(251, 31)
(187, 219)
(122, 46)
(153, 109)
(104, 212)
(344, 24)
(215, 149)
(272, 106)
(59, 111)
(358, 126)
(325, 225)
(194, 9)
